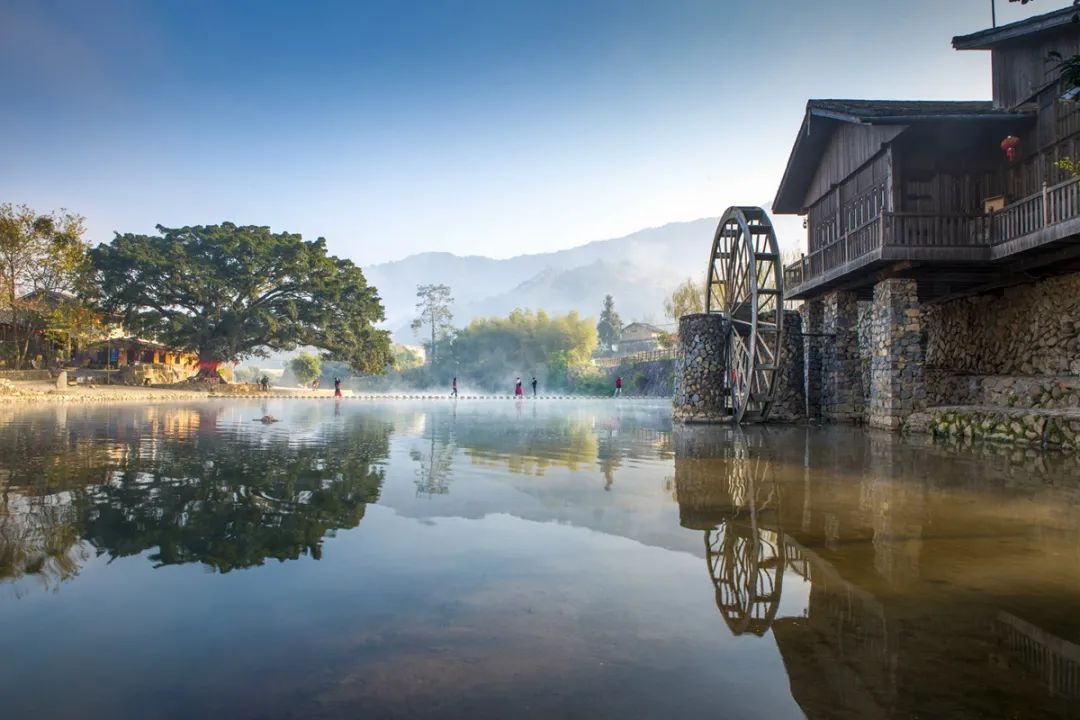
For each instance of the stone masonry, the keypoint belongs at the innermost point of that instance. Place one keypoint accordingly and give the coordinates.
(700, 363)
(896, 371)
(841, 386)
(813, 323)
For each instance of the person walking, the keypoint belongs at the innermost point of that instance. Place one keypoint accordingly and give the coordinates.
(518, 391)
(453, 388)
(534, 387)
(618, 386)
(337, 387)
(265, 382)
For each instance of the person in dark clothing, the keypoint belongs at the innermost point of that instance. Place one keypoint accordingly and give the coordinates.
(453, 388)
(337, 387)
(534, 386)
(618, 386)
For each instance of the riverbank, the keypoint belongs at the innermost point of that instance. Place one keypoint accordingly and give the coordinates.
(22, 392)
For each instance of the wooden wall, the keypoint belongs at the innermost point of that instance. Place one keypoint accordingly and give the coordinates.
(1020, 68)
(850, 147)
(949, 168)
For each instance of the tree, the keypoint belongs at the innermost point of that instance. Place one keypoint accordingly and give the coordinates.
(686, 299)
(43, 259)
(305, 368)
(492, 351)
(433, 310)
(228, 291)
(609, 329)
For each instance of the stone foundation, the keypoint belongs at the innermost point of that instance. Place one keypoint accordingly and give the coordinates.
(700, 367)
(790, 399)
(841, 385)
(896, 364)
(1031, 329)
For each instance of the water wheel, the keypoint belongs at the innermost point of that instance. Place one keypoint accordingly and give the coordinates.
(746, 286)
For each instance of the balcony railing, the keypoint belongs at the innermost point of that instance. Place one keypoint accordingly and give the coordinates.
(930, 237)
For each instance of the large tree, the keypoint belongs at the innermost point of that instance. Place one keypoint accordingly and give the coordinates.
(433, 310)
(609, 329)
(228, 291)
(43, 265)
(686, 299)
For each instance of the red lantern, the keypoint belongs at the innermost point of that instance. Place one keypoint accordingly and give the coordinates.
(1009, 145)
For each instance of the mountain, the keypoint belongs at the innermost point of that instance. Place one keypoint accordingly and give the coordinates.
(638, 270)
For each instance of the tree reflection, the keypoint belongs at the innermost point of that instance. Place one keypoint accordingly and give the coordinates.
(435, 460)
(226, 498)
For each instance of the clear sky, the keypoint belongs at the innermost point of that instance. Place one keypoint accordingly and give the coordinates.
(491, 127)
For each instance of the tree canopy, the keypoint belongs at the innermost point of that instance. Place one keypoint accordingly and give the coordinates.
(686, 299)
(228, 291)
(491, 352)
(43, 264)
(305, 368)
(609, 329)
(433, 310)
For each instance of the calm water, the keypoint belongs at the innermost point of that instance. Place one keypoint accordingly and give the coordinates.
(543, 560)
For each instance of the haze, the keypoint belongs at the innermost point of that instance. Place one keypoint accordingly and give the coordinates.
(487, 128)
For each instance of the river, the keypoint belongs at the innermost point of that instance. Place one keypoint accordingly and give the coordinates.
(491, 559)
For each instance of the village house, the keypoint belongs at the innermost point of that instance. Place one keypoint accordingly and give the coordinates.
(639, 337)
(943, 238)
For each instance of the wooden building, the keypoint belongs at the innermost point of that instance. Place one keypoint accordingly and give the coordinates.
(931, 225)
(925, 189)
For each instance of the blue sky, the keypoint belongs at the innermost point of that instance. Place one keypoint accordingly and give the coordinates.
(492, 128)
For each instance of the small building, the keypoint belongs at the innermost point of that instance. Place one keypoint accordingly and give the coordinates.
(639, 337)
(943, 237)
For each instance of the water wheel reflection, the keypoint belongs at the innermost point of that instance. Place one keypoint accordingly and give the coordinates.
(744, 552)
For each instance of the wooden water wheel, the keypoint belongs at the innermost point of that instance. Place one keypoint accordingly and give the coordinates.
(746, 286)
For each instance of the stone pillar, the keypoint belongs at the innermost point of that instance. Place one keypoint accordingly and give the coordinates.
(700, 361)
(896, 373)
(841, 386)
(813, 324)
(789, 403)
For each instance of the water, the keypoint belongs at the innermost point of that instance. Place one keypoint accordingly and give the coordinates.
(536, 560)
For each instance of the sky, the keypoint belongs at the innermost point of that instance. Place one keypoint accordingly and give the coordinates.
(486, 127)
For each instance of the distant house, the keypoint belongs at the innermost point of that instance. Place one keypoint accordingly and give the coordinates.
(639, 337)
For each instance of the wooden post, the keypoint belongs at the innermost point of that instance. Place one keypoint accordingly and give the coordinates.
(1046, 204)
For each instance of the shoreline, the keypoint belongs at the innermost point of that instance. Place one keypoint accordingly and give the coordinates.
(35, 393)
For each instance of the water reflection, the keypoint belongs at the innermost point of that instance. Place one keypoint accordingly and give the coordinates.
(175, 481)
(585, 560)
(917, 588)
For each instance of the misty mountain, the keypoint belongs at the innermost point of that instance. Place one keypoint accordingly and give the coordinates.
(638, 270)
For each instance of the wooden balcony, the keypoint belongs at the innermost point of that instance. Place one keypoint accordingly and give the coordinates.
(1039, 220)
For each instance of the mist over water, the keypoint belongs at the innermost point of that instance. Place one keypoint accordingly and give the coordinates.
(479, 559)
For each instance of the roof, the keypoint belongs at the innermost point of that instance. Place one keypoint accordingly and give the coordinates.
(822, 117)
(644, 326)
(899, 112)
(986, 39)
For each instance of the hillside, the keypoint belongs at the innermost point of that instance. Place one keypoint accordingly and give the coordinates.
(638, 270)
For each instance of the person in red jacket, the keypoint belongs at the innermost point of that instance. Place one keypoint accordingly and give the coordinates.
(618, 386)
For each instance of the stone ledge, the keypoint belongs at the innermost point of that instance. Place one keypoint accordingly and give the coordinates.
(1041, 427)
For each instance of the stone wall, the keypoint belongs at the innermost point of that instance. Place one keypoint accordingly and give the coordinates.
(700, 370)
(1031, 329)
(700, 365)
(645, 378)
(897, 361)
(790, 402)
(1039, 392)
(842, 398)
